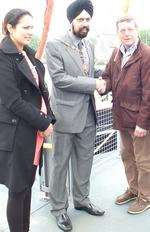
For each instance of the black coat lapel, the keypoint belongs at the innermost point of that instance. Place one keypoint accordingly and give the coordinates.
(19, 61)
(25, 69)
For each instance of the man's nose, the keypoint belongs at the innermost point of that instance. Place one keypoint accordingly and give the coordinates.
(126, 32)
(85, 23)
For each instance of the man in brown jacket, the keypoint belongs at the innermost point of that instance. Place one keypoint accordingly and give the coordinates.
(127, 75)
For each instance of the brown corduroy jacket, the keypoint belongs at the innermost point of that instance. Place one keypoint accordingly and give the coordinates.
(130, 87)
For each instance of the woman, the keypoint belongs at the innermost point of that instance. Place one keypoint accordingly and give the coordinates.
(25, 116)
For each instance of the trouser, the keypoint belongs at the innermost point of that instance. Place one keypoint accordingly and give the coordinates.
(80, 147)
(136, 160)
(18, 208)
(18, 211)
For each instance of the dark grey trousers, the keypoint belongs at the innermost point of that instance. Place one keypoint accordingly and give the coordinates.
(80, 148)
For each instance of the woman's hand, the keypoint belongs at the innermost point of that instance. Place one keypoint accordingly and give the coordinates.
(47, 132)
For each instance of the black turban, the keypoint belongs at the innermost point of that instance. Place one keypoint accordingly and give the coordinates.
(75, 8)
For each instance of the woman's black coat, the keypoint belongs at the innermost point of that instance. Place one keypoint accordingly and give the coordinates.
(20, 115)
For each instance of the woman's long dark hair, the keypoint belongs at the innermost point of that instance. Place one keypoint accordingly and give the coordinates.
(12, 18)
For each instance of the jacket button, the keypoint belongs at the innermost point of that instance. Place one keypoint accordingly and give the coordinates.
(25, 91)
(14, 121)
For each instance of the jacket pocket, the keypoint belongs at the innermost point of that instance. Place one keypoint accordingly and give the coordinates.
(130, 106)
(7, 133)
(64, 102)
(129, 113)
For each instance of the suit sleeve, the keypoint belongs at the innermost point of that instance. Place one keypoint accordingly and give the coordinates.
(10, 97)
(61, 79)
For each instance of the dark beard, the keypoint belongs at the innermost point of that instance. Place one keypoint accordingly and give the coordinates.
(79, 33)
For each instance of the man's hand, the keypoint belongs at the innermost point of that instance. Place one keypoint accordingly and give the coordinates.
(100, 86)
(47, 132)
(140, 132)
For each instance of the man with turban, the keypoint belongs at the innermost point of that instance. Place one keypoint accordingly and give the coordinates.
(77, 7)
(70, 61)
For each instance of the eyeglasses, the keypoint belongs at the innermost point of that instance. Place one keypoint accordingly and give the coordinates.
(81, 20)
(127, 30)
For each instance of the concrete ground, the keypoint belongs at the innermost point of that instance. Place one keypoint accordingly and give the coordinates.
(107, 181)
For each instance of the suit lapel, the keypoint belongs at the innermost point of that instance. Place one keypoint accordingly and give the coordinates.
(72, 51)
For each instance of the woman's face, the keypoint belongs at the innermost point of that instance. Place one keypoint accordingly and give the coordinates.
(22, 33)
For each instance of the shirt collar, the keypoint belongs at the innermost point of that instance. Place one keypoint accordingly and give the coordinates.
(75, 39)
(130, 50)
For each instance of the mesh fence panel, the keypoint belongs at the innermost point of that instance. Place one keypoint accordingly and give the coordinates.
(106, 137)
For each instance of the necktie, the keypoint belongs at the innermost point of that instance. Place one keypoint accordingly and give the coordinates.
(83, 58)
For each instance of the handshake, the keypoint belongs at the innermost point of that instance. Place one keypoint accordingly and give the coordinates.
(100, 86)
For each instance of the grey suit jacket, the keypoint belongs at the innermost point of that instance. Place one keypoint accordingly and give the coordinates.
(71, 89)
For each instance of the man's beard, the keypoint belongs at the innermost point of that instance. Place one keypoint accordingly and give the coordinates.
(80, 33)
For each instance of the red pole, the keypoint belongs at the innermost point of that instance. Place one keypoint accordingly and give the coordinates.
(47, 20)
